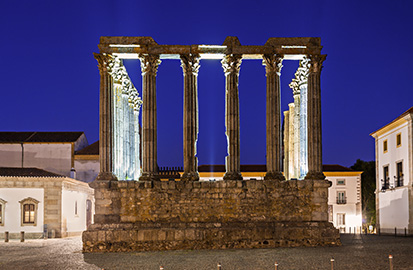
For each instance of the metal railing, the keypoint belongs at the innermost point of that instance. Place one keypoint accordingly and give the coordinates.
(341, 200)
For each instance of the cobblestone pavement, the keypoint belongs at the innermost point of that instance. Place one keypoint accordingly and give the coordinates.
(357, 252)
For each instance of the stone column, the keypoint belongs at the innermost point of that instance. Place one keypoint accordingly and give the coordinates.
(106, 125)
(231, 65)
(286, 144)
(273, 65)
(190, 66)
(315, 160)
(149, 67)
(296, 126)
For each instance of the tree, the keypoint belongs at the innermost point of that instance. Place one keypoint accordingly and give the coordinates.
(368, 187)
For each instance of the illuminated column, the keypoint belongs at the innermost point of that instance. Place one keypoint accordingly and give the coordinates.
(291, 133)
(273, 65)
(231, 65)
(149, 67)
(315, 165)
(105, 62)
(190, 66)
(296, 126)
(301, 77)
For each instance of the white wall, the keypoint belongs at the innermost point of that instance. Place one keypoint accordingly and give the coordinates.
(394, 154)
(10, 155)
(352, 207)
(12, 217)
(87, 170)
(394, 209)
(70, 221)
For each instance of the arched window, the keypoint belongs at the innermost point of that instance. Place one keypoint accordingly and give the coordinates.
(28, 208)
(2, 209)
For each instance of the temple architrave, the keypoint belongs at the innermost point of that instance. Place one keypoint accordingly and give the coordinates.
(149, 214)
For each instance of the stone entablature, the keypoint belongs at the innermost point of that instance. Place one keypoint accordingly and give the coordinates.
(189, 211)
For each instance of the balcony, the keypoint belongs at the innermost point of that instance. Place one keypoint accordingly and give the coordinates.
(341, 200)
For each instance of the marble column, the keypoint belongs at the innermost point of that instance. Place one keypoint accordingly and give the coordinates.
(231, 65)
(149, 67)
(315, 165)
(190, 66)
(291, 133)
(273, 65)
(296, 126)
(106, 125)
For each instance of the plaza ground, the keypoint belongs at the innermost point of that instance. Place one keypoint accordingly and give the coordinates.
(357, 252)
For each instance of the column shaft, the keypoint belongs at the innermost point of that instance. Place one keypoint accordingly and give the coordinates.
(105, 118)
(231, 65)
(315, 160)
(149, 66)
(190, 66)
(273, 65)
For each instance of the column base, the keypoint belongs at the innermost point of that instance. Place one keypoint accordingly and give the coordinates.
(149, 176)
(274, 176)
(190, 176)
(232, 176)
(106, 176)
(313, 175)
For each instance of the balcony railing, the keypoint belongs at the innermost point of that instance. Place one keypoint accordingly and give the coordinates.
(398, 181)
(341, 200)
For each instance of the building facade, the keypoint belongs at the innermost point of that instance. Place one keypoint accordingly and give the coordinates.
(394, 171)
(43, 204)
(50, 151)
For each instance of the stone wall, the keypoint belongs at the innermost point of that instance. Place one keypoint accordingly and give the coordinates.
(154, 215)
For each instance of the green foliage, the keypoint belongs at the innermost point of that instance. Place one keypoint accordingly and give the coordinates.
(368, 186)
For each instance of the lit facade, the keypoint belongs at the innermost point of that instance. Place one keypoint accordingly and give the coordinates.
(394, 171)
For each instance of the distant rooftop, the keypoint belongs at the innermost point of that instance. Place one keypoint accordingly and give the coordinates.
(34, 136)
(92, 149)
(26, 172)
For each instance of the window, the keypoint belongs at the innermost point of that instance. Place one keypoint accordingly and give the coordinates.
(341, 219)
(399, 140)
(341, 197)
(75, 208)
(2, 207)
(341, 182)
(386, 180)
(385, 146)
(399, 176)
(29, 212)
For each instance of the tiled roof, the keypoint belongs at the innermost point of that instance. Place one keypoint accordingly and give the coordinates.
(263, 168)
(27, 172)
(335, 168)
(19, 137)
(92, 149)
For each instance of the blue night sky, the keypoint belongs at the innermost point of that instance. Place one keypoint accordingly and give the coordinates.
(50, 80)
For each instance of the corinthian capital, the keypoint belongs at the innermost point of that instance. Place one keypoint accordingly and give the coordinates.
(301, 75)
(105, 62)
(316, 62)
(190, 63)
(149, 63)
(231, 63)
(295, 87)
(272, 63)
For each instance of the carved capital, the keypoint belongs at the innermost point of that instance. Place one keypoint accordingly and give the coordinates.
(272, 63)
(295, 87)
(301, 75)
(149, 63)
(316, 62)
(231, 63)
(105, 62)
(190, 63)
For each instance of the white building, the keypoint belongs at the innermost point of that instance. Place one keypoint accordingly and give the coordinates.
(37, 202)
(344, 197)
(86, 163)
(394, 172)
(50, 151)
